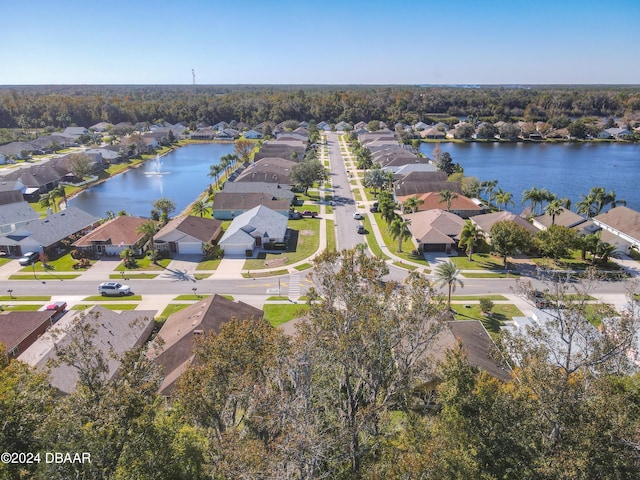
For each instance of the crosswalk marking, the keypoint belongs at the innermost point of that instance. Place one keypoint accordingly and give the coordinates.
(294, 286)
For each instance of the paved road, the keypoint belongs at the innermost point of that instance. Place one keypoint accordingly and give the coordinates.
(346, 227)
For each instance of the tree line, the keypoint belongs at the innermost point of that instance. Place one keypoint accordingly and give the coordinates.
(61, 106)
(355, 393)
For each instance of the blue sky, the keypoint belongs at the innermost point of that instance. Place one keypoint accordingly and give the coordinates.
(324, 42)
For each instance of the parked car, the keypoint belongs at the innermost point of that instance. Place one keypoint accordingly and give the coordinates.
(361, 228)
(374, 207)
(539, 299)
(29, 258)
(357, 216)
(309, 213)
(295, 215)
(113, 289)
(56, 307)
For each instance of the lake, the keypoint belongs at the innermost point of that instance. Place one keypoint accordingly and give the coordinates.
(566, 169)
(181, 176)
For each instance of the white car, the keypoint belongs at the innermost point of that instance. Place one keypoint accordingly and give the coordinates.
(357, 216)
(113, 289)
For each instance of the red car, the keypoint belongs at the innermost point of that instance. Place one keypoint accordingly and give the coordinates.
(56, 307)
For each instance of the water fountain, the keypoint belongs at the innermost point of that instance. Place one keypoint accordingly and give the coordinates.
(157, 168)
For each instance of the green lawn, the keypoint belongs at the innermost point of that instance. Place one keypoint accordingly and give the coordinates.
(45, 276)
(371, 239)
(277, 314)
(404, 265)
(191, 297)
(100, 298)
(392, 244)
(209, 264)
(64, 263)
(4, 260)
(303, 266)
(172, 308)
(331, 236)
(462, 298)
(129, 276)
(305, 238)
(25, 298)
(491, 275)
(109, 306)
(22, 308)
(145, 263)
(500, 314)
(481, 261)
(259, 274)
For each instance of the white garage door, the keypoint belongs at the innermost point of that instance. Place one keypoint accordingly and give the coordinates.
(186, 248)
(234, 250)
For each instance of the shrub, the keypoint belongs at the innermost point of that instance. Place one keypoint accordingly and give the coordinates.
(486, 305)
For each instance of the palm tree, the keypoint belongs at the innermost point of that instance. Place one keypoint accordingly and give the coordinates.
(553, 209)
(605, 250)
(399, 229)
(586, 205)
(200, 207)
(533, 195)
(487, 187)
(504, 198)
(613, 201)
(412, 204)
(215, 171)
(45, 200)
(447, 274)
(148, 229)
(447, 196)
(59, 192)
(469, 236)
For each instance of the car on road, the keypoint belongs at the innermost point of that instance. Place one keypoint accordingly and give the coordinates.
(361, 228)
(357, 216)
(309, 213)
(29, 258)
(113, 289)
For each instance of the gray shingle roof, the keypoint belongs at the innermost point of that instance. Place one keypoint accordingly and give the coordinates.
(257, 220)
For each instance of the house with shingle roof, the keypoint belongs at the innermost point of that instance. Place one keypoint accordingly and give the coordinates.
(253, 229)
(18, 330)
(113, 334)
(435, 230)
(620, 227)
(462, 206)
(486, 221)
(173, 349)
(187, 235)
(269, 170)
(113, 236)
(274, 190)
(48, 232)
(227, 206)
(567, 219)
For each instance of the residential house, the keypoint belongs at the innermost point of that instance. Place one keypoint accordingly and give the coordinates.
(567, 219)
(47, 233)
(227, 134)
(173, 349)
(14, 210)
(273, 190)
(476, 343)
(433, 134)
(435, 230)
(461, 206)
(420, 126)
(203, 134)
(227, 206)
(620, 227)
(18, 330)
(252, 135)
(113, 236)
(400, 171)
(220, 126)
(289, 150)
(269, 170)
(187, 235)
(76, 132)
(486, 221)
(255, 228)
(342, 126)
(17, 150)
(324, 126)
(113, 335)
(100, 127)
(619, 133)
(37, 179)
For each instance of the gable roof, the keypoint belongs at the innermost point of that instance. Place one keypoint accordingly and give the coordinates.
(274, 190)
(567, 219)
(621, 219)
(487, 220)
(15, 327)
(114, 333)
(432, 201)
(432, 226)
(270, 170)
(200, 228)
(174, 348)
(247, 201)
(258, 220)
(17, 212)
(118, 231)
(404, 188)
(51, 229)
